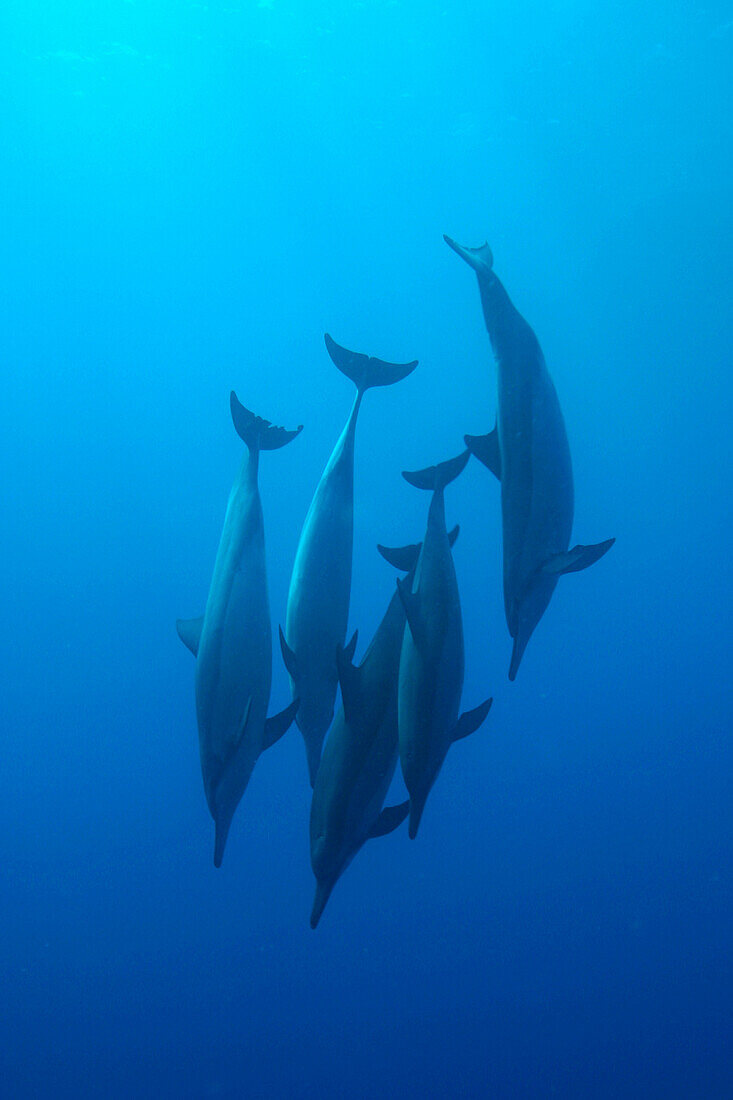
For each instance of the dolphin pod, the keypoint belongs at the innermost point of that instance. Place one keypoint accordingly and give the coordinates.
(528, 452)
(232, 641)
(320, 585)
(402, 702)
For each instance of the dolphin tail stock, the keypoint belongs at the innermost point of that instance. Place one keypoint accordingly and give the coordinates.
(480, 259)
(405, 558)
(364, 371)
(572, 561)
(437, 477)
(257, 432)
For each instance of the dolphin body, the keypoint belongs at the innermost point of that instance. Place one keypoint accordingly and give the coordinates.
(360, 756)
(528, 451)
(320, 584)
(232, 641)
(432, 657)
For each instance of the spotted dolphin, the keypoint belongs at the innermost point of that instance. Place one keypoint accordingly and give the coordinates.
(528, 451)
(360, 755)
(232, 641)
(320, 584)
(432, 657)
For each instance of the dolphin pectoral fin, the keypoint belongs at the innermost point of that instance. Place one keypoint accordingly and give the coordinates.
(323, 893)
(411, 605)
(572, 561)
(348, 676)
(289, 659)
(479, 258)
(390, 819)
(279, 724)
(470, 720)
(486, 449)
(364, 371)
(189, 631)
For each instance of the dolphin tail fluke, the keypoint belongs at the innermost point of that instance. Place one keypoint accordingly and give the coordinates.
(580, 557)
(257, 433)
(437, 477)
(364, 371)
(480, 259)
(405, 558)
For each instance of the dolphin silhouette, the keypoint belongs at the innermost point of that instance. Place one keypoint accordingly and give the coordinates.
(528, 451)
(232, 641)
(360, 755)
(432, 657)
(320, 584)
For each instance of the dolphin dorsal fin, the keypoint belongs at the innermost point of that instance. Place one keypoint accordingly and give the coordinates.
(279, 724)
(486, 450)
(572, 561)
(390, 819)
(189, 631)
(470, 720)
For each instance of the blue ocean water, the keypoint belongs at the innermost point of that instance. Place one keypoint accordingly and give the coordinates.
(193, 194)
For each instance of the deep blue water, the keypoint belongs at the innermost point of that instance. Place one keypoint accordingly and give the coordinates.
(192, 195)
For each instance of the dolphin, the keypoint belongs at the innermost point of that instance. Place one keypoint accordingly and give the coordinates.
(432, 658)
(528, 451)
(360, 755)
(320, 584)
(232, 641)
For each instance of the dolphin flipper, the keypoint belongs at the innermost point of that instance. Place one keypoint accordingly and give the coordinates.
(470, 720)
(572, 561)
(279, 724)
(289, 659)
(255, 431)
(405, 558)
(486, 450)
(364, 371)
(348, 675)
(189, 631)
(390, 819)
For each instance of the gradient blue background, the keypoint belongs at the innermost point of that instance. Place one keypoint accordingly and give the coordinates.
(192, 194)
